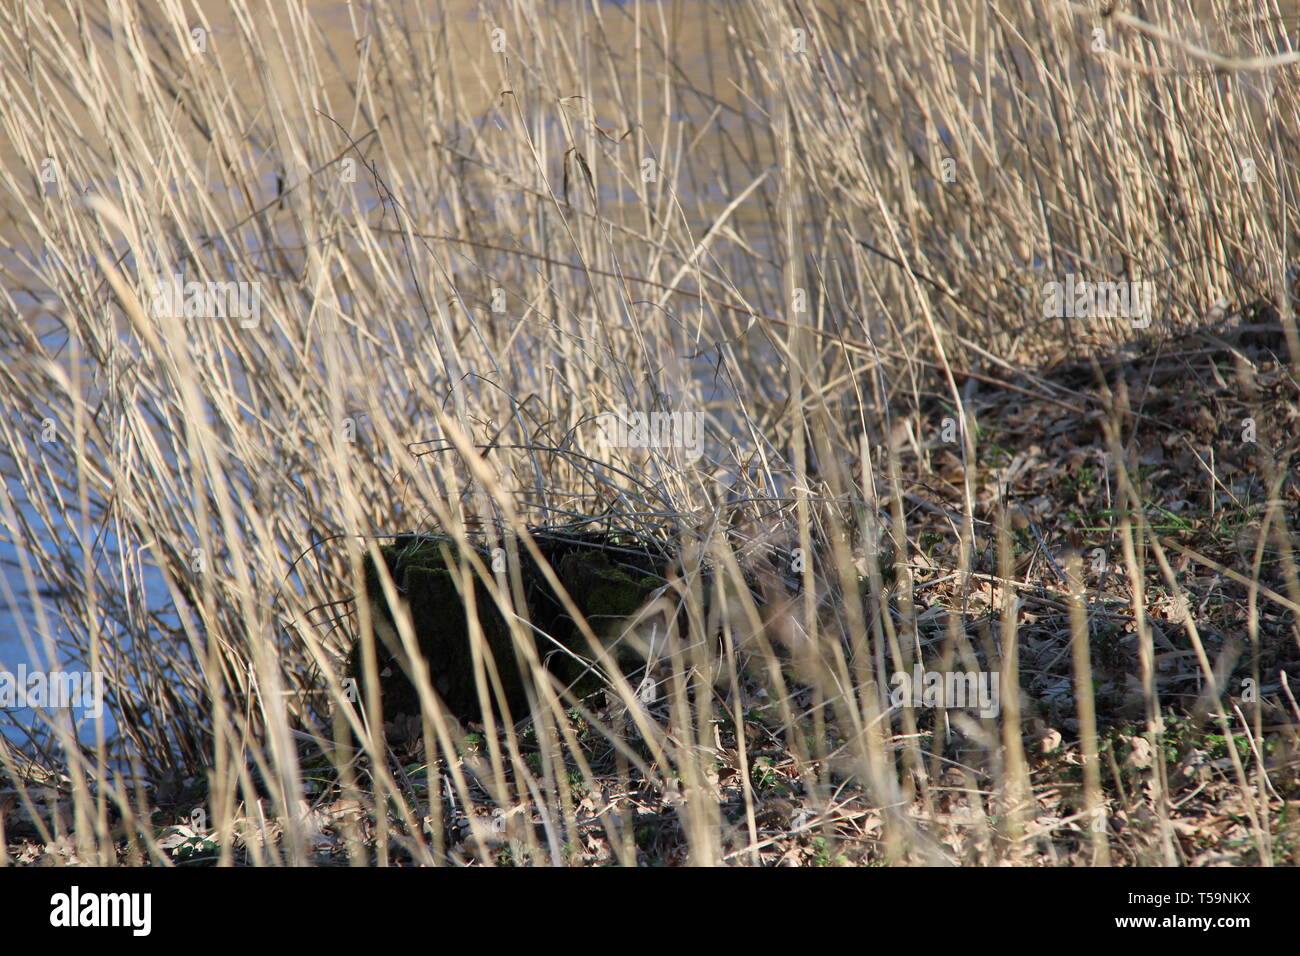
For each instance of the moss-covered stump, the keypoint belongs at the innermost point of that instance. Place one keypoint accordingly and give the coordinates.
(607, 577)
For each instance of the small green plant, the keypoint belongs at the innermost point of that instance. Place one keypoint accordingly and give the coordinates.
(822, 855)
(764, 774)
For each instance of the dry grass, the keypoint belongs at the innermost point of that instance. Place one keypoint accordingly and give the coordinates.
(827, 229)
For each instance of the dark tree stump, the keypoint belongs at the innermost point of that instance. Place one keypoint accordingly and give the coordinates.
(608, 576)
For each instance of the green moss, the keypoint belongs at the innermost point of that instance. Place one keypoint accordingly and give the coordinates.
(602, 589)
